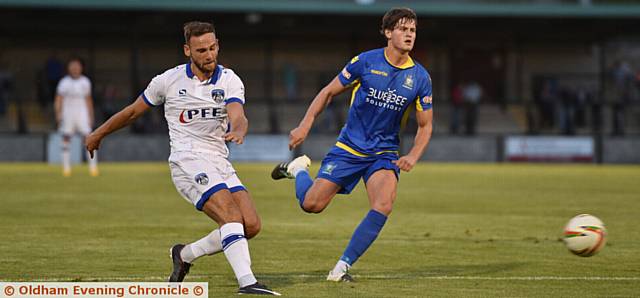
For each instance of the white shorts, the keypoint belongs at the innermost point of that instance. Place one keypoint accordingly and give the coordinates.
(198, 177)
(75, 122)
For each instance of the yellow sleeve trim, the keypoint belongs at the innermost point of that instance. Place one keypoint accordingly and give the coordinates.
(418, 105)
(353, 93)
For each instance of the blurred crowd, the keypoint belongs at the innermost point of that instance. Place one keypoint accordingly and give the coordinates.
(568, 107)
(559, 106)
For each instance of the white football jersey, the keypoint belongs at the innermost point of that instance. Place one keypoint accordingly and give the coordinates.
(74, 93)
(196, 111)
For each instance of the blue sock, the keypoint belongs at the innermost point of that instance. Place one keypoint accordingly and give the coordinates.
(303, 183)
(364, 235)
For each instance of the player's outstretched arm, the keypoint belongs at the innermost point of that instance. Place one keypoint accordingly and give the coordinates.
(89, 100)
(420, 143)
(121, 119)
(239, 123)
(319, 103)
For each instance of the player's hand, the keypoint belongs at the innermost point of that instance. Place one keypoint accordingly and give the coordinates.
(234, 137)
(406, 163)
(92, 142)
(297, 136)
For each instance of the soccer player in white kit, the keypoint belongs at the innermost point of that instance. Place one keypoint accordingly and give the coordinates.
(74, 112)
(203, 105)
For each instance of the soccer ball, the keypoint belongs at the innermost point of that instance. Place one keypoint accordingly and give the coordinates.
(585, 235)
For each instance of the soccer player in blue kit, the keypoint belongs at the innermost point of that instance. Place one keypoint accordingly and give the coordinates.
(386, 82)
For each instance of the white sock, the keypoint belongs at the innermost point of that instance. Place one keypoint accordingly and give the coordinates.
(295, 171)
(66, 157)
(209, 245)
(93, 162)
(341, 266)
(236, 249)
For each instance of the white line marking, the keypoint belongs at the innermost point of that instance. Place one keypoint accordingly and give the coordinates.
(403, 276)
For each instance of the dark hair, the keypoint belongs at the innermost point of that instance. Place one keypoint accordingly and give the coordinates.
(393, 16)
(196, 28)
(76, 59)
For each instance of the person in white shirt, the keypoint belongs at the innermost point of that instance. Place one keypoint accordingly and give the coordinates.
(203, 105)
(74, 112)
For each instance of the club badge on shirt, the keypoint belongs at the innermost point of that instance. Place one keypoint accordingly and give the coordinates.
(217, 95)
(202, 179)
(408, 82)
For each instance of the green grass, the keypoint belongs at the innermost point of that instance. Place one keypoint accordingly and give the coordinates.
(457, 230)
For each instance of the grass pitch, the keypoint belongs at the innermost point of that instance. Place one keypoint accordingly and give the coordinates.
(457, 230)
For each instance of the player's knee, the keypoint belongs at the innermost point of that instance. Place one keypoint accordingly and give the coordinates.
(232, 215)
(312, 206)
(222, 210)
(252, 228)
(383, 207)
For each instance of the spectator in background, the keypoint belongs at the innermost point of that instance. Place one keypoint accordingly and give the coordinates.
(584, 97)
(290, 80)
(5, 86)
(53, 72)
(546, 100)
(566, 109)
(111, 96)
(331, 119)
(457, 102)
(472, 93)
(623, 78)
(74, 112)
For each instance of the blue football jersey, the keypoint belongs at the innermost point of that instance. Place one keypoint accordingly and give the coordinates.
(381, 97)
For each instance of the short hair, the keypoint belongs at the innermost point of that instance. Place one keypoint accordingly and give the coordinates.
(393, 16)
(196, 28)
(76, 59)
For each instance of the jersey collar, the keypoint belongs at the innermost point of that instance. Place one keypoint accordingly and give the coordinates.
(214, 78)
(189, 72)
(408, 64)
(216, 75)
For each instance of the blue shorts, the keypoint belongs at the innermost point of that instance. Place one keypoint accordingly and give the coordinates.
(346, 169)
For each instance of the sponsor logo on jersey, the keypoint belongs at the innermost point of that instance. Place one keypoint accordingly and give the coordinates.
(182, 92)
(217, 95)
(408, 82)
(379, 72)
(187, 116)
(388, 99)
(202, 179)
(427, 100)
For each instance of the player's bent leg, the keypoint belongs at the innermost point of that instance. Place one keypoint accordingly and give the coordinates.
(250, 218)
(313, 195)
(212, 243)
(291, 168)
(318, 197)
(222, 208)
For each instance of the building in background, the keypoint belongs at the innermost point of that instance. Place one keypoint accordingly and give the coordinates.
(513, 50)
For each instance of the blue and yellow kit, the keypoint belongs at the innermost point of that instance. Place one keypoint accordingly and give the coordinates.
(380, 101)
